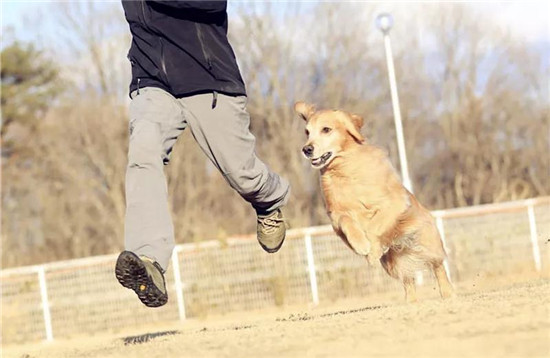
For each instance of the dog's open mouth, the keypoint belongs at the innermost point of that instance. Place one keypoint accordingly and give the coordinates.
(318, 162)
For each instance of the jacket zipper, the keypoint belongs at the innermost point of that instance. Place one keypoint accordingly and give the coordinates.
(162, 61)
(143, 11)
(203, 48)
(208, 62)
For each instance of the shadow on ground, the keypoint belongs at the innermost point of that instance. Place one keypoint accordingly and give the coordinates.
(142, 338)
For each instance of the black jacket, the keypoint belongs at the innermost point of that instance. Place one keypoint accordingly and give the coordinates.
(182, 47)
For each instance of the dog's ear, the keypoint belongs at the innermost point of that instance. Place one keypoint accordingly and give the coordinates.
(353, 126)
(357, 121)
(304, 110)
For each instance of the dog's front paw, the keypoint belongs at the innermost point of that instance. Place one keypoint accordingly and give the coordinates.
(362, 246)
(372, 259)
(375, 254)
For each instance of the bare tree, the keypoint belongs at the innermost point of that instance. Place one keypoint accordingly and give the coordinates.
(474, 103)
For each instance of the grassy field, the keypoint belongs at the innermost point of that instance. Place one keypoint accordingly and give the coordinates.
(511, 321)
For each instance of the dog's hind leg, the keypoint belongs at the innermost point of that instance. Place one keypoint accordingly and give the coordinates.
(434, 254)
(401, 266)
(445, 286)
(354, 235)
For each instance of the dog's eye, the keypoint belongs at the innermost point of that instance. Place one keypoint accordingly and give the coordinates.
(307, 132)
(326, 130)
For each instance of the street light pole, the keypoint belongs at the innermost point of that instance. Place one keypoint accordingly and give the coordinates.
(384, 22)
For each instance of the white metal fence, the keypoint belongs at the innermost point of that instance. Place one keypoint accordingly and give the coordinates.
(82, 296)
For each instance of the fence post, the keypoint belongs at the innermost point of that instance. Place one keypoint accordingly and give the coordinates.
(311, 268)
(177, 283)
(441, 229)
(534, 235)
(45, 303)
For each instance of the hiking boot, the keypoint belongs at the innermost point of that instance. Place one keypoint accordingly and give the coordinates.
(144, 276)
(271, 230)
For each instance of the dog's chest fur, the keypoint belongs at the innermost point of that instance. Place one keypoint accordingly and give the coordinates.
(360, 185)
(341, 194)
(358, 182)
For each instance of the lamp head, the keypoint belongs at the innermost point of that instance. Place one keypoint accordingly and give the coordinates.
(384, 22)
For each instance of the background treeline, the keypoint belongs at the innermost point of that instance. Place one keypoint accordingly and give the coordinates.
(474, 100)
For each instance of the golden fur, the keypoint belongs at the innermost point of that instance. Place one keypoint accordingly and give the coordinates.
(368, 206)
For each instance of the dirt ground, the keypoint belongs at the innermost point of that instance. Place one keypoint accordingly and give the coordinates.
(509, 322)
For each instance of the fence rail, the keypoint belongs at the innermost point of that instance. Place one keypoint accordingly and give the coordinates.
(65, 298)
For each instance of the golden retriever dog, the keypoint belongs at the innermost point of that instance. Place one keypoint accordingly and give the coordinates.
(369, 208)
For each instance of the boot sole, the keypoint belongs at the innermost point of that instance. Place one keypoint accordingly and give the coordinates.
(272, 250)
(132, 274)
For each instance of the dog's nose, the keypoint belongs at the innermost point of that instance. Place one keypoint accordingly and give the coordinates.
(308, 151)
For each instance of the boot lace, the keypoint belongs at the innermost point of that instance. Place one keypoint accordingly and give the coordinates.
(270, 223)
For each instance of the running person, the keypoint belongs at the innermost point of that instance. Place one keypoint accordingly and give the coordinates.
(184, 74)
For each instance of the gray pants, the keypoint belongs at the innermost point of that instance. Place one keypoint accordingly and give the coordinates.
(156, 120)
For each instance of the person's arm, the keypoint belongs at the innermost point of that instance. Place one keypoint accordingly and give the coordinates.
(208, 7)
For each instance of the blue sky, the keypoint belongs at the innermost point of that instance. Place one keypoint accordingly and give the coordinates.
(528, 19)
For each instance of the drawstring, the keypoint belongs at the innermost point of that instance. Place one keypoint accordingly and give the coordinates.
(138, 81)
(214, 99)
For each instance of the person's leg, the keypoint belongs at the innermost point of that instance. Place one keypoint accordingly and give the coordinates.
(222, 131)
(223, 134)
(156, 121)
